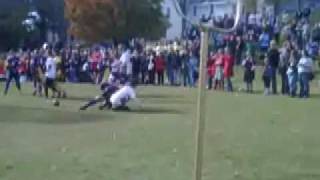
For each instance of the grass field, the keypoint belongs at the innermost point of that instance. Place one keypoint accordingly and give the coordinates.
(248, 137)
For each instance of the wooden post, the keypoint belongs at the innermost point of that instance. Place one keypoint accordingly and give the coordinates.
(201, 106)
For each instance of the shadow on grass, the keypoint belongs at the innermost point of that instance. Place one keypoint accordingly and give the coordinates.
(156, 110)
(315, 96)
(16, 114)
(79, 98)
(160, 96)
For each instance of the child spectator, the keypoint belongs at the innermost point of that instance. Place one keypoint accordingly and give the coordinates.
(305, 70)
(211, 69)
(249, 72)
(266, 76)
(218, 78)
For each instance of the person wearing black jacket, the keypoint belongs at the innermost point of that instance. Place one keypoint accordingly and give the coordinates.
(273, 59)
(143, 67)
(136, 66)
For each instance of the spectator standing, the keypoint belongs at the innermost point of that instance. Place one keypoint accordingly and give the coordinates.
(251, 45)
(171, 58)
(126, 64)
(185, 70)
(249, 72)
(292, 74)
(264, 41)
(12, 72)
(193, 69)
(136, 66)
(273, 59)
(232, 43)
(305, 70)
(177, 68)
(239, 49)
(2, 69)
(211, 69)
(160, 65)
(144, 68)
(228, 69)
(266, 76)
(218, 77)
(151, 69)
(283, 67)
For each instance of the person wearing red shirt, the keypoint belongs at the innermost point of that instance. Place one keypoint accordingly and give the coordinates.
(2, 69)
(228, 64)
(211, 69)
(218, 77)
(160, 65)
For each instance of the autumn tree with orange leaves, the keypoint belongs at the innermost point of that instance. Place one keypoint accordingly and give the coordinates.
(98, 20)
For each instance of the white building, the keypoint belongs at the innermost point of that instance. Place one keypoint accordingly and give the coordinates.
(195, 9)
(175, 29)
(216, 8)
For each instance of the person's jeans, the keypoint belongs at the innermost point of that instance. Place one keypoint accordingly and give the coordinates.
(304, 79)
(160, 77)
(73, 77)
(135, 77)
(293, 79)
(186, 78)
(229, 85)
(151, 77)
(143, 77)
(210, 81)
(191, 78)
(266, 82)
(284, 81)
(274, 80)
(170, 75)
(10, 77)
(177, 75)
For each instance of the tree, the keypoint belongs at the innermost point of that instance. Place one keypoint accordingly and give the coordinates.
(98, 20)
(12, 13)
(12, 32)
(250, 5)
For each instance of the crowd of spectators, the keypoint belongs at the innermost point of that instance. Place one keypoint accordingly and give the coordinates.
(285, 48)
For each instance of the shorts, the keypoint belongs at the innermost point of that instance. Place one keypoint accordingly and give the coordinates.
(50, 83)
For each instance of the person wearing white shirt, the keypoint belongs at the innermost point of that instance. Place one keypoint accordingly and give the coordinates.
(50, 74)
(305, 70)
(252, 19)
(126, 64)
(120, 98)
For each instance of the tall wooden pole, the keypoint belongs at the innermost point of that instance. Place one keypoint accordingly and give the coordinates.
(201, 106)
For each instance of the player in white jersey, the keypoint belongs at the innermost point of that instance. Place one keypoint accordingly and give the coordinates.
(120, 98)
(50, 74)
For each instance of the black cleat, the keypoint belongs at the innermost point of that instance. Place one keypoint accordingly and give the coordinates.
(101, 108)
(83, 108)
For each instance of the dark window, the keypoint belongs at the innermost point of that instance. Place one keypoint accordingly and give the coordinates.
(194, 10)
(211, 9)
(168, 13)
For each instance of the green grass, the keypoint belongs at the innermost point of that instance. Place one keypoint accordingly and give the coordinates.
(248, 137)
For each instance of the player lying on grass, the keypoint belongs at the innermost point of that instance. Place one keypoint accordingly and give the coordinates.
(107, 88)
(114, 96)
